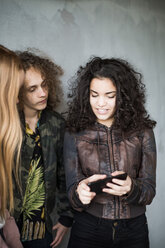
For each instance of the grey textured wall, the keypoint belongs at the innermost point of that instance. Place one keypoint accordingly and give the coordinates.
(71, 31)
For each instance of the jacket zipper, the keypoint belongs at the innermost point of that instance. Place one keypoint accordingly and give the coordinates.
(110, 149)
(110, 145)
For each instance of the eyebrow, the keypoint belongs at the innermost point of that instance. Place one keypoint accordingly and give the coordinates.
(35, 85)
(31, 86)
(105, 93)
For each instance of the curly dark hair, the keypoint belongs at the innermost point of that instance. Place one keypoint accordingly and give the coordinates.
(130, 111)
(50, 71)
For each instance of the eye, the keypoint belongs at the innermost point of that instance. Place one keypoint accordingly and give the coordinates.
(94, 95)
(32, 89)
(112, 96)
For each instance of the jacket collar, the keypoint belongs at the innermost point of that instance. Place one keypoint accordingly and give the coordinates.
(117, 134)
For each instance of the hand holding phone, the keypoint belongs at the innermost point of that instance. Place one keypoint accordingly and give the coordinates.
(97, 186)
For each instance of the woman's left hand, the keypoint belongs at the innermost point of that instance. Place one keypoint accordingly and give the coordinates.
(118, 187)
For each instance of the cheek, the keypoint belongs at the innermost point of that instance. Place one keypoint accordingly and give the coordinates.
(29, 98)
(47, 92)
(92, 102)
(112, 104)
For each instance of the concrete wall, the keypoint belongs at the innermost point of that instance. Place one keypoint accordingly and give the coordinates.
(71, 31)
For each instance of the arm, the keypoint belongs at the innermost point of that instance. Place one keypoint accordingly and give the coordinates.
(11, 232)
(77, 184)
(63, 206)
(144, 186)
(73, 171)
(140, 190)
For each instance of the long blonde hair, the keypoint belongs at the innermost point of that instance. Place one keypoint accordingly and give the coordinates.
(10, 129)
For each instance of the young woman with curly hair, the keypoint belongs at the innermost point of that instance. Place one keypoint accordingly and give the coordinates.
(11, 78)
(109, 134)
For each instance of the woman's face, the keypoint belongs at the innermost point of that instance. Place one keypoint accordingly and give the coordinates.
(103, 100)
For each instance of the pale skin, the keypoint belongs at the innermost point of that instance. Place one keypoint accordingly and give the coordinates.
(103, 104)
(21, 80)
(35, 99)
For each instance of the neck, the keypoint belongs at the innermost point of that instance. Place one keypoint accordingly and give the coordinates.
(30, 113)
(107, 123)
(31, 117)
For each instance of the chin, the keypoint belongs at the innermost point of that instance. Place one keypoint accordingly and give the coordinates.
(42, 107)
(103, 118)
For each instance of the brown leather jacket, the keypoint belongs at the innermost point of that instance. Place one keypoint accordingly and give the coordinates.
(103, 150)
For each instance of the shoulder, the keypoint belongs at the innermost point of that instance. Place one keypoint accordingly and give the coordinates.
(52, 117)
(76, 134)
(147, 133)
(146, 137)
(84, 135)
(149, 139)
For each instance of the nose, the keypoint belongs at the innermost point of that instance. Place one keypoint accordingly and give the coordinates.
(42, 92)
(101, 101)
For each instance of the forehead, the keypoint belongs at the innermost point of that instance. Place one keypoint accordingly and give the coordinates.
(21, 76)
(33, 77)
(102, 85)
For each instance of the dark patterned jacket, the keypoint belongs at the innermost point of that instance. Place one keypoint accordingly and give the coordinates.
(51, 131)
(102, 150)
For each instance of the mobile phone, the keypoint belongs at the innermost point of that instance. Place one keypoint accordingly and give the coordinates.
(98, 185)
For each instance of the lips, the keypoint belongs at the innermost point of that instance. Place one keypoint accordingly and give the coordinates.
(43, 101)
(102, 111)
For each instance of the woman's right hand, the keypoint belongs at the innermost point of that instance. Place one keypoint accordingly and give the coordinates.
(83, 190)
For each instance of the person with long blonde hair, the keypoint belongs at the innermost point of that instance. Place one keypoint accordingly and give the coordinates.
(11, 78)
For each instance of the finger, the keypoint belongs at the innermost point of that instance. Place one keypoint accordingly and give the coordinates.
(86, 200)
(119, 189)
(109, 191)
(89, 197)
(115, 173)
(115, 187)
(113, 192)
(84, 186)
(53, 243)
(55, 227)
(56, 241)
(118, 181)
(88, 194)
(96, 177)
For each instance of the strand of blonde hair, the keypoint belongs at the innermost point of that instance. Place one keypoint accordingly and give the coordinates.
(10, 131)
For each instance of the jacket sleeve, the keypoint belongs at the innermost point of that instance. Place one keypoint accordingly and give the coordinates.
(63, 206)
(144, 186)
(73, 171)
